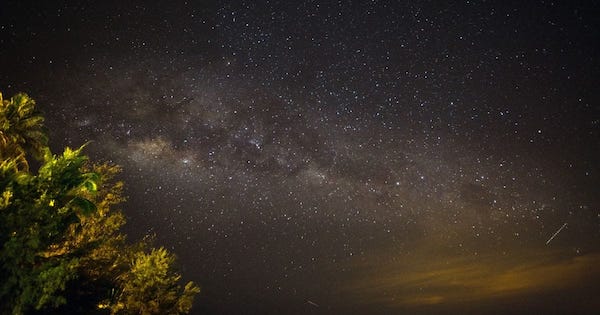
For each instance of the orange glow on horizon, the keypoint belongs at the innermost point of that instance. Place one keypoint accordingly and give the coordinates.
(421, 280)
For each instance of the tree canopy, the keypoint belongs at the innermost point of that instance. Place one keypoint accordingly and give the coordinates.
(61, 249)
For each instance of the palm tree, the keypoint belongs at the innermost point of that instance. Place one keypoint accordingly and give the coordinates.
(21, 130)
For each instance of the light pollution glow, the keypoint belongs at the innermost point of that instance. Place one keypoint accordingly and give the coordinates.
(421, 280)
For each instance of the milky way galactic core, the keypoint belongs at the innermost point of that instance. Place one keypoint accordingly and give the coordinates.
(322, 157)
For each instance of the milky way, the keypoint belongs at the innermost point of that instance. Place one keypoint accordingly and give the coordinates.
(326, 157)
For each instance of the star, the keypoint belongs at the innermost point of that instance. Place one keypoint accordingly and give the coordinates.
(368, 155)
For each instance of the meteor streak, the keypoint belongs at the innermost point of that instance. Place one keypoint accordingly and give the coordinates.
(556, 233)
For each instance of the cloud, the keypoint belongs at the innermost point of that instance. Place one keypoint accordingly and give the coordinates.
(451, 280)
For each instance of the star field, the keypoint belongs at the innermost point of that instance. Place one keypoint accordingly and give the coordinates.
(335, 156)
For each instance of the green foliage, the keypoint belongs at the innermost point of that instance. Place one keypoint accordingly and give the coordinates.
(21, 130)
(151, 286)
(60, 246)
(36, 212)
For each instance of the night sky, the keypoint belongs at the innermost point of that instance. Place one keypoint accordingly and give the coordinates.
(331, 157)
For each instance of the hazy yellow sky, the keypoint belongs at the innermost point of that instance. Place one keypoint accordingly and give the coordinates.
(442, 280)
